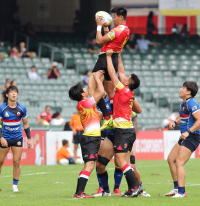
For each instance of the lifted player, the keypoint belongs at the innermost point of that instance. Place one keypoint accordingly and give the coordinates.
(12, 115)
(90, 141)
(114, 39)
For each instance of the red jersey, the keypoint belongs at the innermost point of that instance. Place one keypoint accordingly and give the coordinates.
(89, 117)
(119, 36)
(123, 102)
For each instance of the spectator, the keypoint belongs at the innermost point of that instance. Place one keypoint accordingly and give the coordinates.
(4, 87)
(57, 119)
(64, 157)
(33, 74)
(77, 21)
(13, 83)
(86, 79)
(143, 44)
(67, 127)
(22, 50)
(1, 57)
(150, 23)
(53, 72)
(184, 32)
(92, 47)
(28, 29)
(48, 114)
(132, 44)
(90, 36)
(14, 53)
(77, 128)
(42, 120)
(4, 97)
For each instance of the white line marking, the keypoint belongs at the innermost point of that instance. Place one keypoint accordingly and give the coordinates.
(38, 173)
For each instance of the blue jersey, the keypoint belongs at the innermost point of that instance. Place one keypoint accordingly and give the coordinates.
(192, 107)
(184, 117)
(110, 111)
(12, 120)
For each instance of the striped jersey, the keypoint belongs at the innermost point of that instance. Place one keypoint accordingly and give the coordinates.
(12, 120)
(187, 109)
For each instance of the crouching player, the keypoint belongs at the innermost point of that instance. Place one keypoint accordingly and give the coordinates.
(12, 115)
(90, 141)
(190, 137)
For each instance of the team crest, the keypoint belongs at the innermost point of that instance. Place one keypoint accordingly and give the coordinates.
(19, 143)
(6, 114)
(125, 145)
(18, 114)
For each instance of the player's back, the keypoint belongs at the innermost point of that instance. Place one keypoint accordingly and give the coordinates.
(119, 36)
(12, 120)
(89, 117)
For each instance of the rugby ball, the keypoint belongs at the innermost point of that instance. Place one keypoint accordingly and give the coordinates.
(105, 17)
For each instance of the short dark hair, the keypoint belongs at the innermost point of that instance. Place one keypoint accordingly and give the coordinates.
(192, 87)
(47, 106)
(76, 91)
(12, 88)
(134, 82)
(120, 11)
(64, 142)
(56, 114)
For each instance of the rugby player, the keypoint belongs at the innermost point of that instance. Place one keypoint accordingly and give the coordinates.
(124, 136)
(12, 115)
(190, 137)
(90, 141)
(114, 39)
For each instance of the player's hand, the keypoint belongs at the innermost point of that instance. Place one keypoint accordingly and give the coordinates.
(184, 135)
(109, 52)
(172, 125)
(74, 132)
(99, 74)
(29, 144)
(4, 143)
(99, 21)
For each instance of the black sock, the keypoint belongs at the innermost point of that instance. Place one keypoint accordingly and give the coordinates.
(129, 174)
(83, 178)
(104, 181)
(101, 104)
(118, 177)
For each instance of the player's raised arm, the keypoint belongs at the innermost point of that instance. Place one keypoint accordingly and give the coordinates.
(136, 107)
(111, 70)
(121, 71)
(196, 125)
(27, 131)
(101, 39)
(98, 94)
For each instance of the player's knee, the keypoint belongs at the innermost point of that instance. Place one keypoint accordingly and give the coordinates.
(16, 163)
(100, 166)
(102, 161)
(179, 162)
(170, 160)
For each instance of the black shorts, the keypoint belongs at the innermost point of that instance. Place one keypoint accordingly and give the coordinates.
(101, 64)
(103, 135)
(77, 137)
(13, 143)
(90, 147)
(124, 139)
(191, 142)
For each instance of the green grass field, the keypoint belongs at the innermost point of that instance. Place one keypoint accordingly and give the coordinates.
(55, 185)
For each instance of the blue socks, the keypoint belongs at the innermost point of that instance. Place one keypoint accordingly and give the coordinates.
(118, 177)
(15, 182)
(140, 184)
(104, 181)
(181, 190)
(175, 184)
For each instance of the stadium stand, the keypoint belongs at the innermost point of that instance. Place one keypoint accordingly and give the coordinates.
(162, 71)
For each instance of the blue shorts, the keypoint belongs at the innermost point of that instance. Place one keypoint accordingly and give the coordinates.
(107, 134)
(191, 142)
(13, 143)
(77, 137)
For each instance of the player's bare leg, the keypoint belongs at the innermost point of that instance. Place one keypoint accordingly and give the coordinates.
(17, 153)
(182, 157)
(75, 152)
(109, 88)
(3, 153)
(173, 169)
